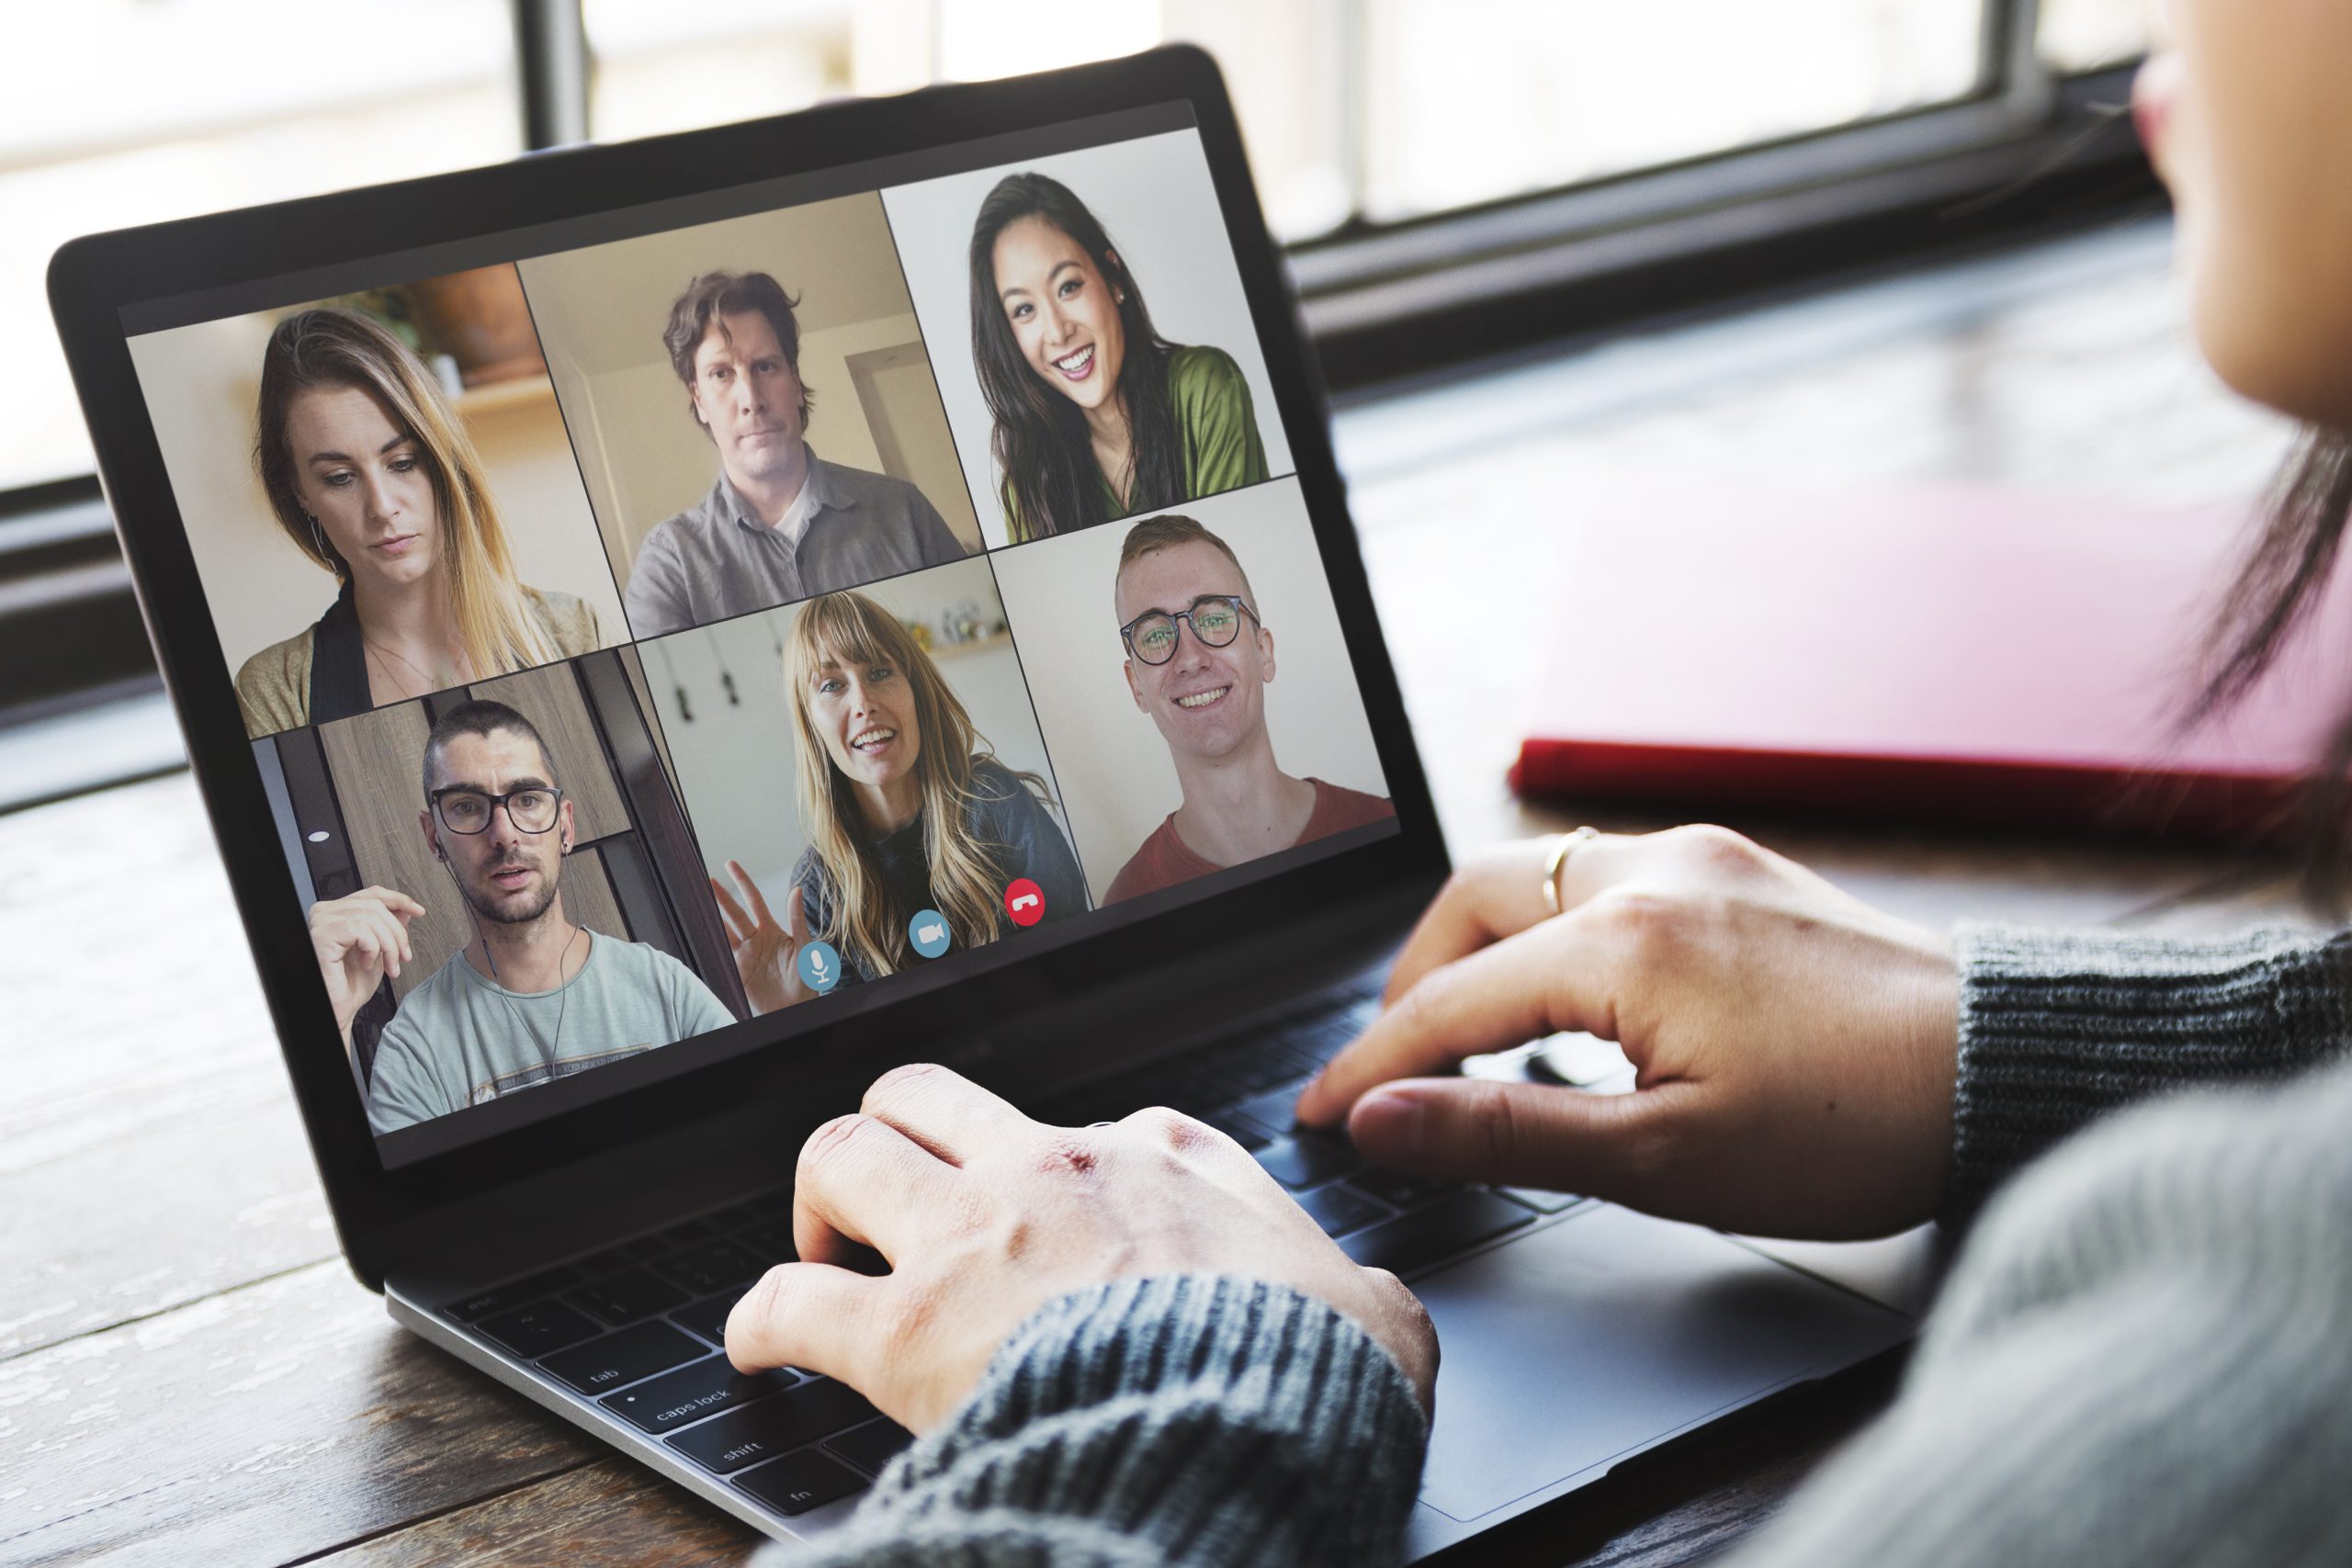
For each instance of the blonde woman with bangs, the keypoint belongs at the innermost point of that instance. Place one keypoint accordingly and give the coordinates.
(370, 473)
(906, 809)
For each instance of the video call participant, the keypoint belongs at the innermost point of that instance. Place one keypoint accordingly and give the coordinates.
(907, 808)
(1199, 661)
(1097, 415)
(781, 524)
(532, 997)
(369, 472)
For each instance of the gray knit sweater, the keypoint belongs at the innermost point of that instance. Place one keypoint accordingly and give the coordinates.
(2143, 1355)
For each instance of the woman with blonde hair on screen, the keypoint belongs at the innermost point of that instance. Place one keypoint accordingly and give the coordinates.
(369, 472)
(907, 807)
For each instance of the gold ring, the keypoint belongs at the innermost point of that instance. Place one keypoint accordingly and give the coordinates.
(1558, 858)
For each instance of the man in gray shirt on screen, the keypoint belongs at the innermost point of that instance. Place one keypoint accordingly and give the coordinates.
(532, 997)
(781, 524)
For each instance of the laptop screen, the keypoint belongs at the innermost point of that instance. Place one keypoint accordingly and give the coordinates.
(663, 633)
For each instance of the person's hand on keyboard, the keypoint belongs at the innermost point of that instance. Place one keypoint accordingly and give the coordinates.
(985, 1216)
(1795, 1048)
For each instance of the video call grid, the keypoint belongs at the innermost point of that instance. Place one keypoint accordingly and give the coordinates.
(635, 643)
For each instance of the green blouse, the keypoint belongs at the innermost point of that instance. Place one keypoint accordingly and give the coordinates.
(1214, 419)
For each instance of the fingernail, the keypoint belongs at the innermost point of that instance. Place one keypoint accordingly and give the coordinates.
(1393, 1124)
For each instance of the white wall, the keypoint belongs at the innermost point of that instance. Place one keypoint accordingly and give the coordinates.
(735, 763)
(200, 383)
(1154, 197)
(1117, 780)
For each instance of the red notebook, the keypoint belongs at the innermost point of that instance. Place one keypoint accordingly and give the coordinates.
(1942, 654)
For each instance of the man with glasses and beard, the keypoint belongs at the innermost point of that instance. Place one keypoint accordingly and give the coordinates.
(1199, 661)
(531, 997)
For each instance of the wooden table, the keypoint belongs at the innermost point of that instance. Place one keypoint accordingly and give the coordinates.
(188, 1373)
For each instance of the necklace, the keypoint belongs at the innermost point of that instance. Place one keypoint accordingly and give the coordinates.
(400, 688)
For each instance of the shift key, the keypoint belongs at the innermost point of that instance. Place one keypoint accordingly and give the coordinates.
(775, 1426)
(705, 1388)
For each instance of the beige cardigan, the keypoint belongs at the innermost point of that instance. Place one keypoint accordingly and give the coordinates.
(274, 685)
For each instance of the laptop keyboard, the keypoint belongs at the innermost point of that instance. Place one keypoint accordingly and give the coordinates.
(638, 1325)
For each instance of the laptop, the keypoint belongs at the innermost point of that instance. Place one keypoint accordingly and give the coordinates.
(622, 581)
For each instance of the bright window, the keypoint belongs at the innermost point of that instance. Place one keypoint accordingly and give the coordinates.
(2087, 35)
(116, 112)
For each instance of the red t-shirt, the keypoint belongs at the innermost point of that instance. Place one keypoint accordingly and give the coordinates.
(1164, 860)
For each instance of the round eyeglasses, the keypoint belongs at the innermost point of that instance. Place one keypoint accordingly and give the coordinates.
(532, 809)
(1215, 618)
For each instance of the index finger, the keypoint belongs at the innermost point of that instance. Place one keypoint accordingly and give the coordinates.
(1522, 988)
(394, 901)
(1498, 895)
(751, 891)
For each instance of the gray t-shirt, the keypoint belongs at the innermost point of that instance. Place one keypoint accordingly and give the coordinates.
(717, 560)
(458, 1040)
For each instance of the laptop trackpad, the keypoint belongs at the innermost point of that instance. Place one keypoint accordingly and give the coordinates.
(1571, 1349)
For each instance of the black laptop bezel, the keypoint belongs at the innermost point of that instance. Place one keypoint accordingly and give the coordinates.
(378, 1212)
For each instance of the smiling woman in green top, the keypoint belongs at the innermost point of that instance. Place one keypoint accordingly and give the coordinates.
(1097, 415)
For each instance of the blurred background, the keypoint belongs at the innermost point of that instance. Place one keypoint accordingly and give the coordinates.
(1458, 184)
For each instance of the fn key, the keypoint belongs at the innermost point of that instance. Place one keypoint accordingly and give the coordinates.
(1409, 1241)
(797, 1482)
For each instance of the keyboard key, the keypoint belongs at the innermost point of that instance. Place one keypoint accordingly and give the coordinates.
(513, 1294)
(1320, 1041)
(1308, 1160)
(732, 1217)
(1409, 1241)
(711, 1265)
(1403, 1191)
(625, 1298)
(709, 1317)
(1249, 1134)
(1542, 1203)
(637, 1249)
(1190, 1090)
(686, 1395)
(793, 1419)
(798, 1482)
(872, 1446)
(609, 1262)
(1274, 1110)
(685, 1231)
(535, 1331)
(624, 1357)
(1338, 1210)
(1255, 1068)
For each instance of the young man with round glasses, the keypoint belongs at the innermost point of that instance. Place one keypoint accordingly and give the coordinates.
(1199, 661)
(532, 997)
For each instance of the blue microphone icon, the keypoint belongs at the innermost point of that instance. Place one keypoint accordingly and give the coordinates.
(820, 966)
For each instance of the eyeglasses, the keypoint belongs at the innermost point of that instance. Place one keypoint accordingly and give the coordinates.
(531, 809)
(1217, 621)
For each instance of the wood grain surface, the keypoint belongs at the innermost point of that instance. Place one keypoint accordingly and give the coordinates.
(188, 1374)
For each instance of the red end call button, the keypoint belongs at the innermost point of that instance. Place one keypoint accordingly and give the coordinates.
(1025, 902)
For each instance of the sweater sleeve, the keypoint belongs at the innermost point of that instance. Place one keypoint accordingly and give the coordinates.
(1175, 1420)
(2057, 1028)
(2139, 1359)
